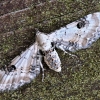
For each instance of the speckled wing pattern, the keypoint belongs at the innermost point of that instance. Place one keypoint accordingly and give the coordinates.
(79, 34)
(22, 69)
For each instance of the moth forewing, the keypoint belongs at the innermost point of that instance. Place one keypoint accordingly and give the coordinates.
(14, 61)
(77, 35)
(22, 71)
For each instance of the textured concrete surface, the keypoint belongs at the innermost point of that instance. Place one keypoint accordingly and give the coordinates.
(80, 77)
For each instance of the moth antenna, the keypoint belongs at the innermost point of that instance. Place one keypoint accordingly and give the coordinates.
(37, 31)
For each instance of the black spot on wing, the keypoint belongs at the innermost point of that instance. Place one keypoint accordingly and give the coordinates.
(81, 24)
(14, 67)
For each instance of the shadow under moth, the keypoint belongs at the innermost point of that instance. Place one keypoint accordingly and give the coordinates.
(24, 68)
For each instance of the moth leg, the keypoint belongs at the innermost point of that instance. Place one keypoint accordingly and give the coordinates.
(39, 60)
(60, 47)
(70, 54)
(42, 71)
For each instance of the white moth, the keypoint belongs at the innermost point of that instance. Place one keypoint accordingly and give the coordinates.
(74, 36)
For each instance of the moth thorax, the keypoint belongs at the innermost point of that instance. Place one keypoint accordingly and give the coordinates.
(43, 41)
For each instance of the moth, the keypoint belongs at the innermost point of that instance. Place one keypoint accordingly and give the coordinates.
(79, 34)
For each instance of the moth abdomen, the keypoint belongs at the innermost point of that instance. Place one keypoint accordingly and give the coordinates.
(52, 60)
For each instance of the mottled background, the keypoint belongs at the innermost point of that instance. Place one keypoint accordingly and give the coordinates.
(80, 77)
